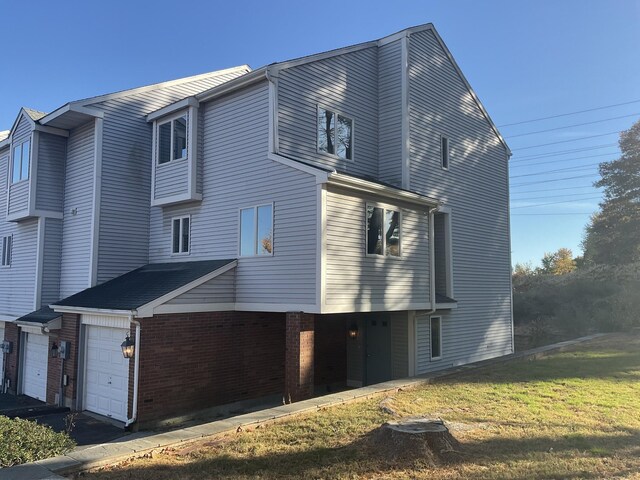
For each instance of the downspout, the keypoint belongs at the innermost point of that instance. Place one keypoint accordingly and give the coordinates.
(136, 373)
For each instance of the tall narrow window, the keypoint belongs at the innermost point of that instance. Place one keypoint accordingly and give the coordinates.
(256, 230)
(436, 338)
(180, 232)
(443, 259)
(172, 140)
(444, 152)
(20, 165)
(7, 243)
(335, 134)
(383, 231)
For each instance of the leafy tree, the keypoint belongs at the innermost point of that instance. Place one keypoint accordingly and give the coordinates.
(613, 234)
(558, 263)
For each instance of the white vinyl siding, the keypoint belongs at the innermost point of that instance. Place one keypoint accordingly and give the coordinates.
(49, 187)
(221, 289)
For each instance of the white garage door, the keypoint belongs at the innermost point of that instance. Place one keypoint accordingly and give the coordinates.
(107, 373)
(1, 354)
(35, 366)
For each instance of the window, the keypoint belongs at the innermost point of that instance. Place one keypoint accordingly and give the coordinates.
(443, 258)
(383, 231)
(172, 140)
(21, 155)
(335, 134)
(444, 152)
(436, 338)
(256, 230)
(7, 243)
(180, 230)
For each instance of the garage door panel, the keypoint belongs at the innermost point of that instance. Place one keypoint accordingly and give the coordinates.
(107, 377)
(35, 366)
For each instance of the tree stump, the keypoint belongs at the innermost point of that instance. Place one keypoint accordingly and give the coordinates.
(416, 438)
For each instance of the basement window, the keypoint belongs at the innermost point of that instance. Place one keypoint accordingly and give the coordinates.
(180, 235)
(172, 139)
(7, 244)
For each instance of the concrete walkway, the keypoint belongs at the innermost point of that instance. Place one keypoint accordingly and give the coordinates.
(138, 444)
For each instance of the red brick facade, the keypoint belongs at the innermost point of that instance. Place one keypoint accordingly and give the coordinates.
(70, 332)
(330, 352)
(12, 333)
(299, 365)
(194, 361)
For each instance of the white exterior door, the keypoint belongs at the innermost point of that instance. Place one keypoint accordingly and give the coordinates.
(36, 357)
(107, 372)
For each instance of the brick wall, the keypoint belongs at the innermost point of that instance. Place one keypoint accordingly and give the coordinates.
(69, 332)
(194, 361)
(330, 350)
(299, 366)
(12, 333)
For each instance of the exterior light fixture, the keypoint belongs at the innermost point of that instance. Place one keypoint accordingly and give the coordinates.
(54, 350)
(128, 348)
(353, 331)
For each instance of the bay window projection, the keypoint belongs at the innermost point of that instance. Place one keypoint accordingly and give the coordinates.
(172, 140)
(20, 165)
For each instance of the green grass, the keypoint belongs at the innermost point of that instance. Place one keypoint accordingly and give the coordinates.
(569, 415)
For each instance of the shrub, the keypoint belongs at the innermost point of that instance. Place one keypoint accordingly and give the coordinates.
(23, 441)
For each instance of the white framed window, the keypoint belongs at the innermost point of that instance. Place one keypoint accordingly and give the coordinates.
(256, 231)
(335, 133)
(171, 138)
(444, 152)
(443, 251)
(181, 235)
(435, 327)
(7, 245)
(20, 162)
(383, 231)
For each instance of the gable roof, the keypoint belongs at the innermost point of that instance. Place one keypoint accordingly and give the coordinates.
(4, 134)
(35, 115)
(41, 316)
(142, 286)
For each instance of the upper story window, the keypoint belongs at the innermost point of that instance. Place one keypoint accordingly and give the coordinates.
(383, 231)
(335, 134)
(172, 139)
(256, 230)
(443, 252)
(180, 235)
(7, 243)
(20, 165)
(444, 152)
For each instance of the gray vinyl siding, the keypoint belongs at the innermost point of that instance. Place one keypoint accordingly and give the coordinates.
(355, 280)
(347, 83)
(17, 282)
(126, 174)
(390, 113)
(51, 252)
(440, 255)
(476, 189)
(22, 131)
(238, 174)
(19, 197)
(78, 197)
(399, 345)
(221, 289)
(172, 179)
(50, 180)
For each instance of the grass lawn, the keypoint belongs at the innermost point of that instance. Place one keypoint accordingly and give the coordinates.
(570, 415)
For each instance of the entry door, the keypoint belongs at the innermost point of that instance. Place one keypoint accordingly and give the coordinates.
(36, 358)
(378, 349)
(107, 373)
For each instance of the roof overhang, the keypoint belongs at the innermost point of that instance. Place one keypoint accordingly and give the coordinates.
(174, 107)
(242, 81)
(70, 116)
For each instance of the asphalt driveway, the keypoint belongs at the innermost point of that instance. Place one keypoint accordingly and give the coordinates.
(86, 429)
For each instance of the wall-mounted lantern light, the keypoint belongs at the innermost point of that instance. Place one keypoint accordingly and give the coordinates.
(53, 353)
(353, 331)
(128, 348)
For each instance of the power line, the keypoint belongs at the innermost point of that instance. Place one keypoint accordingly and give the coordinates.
(574, 125)
(566, 141)
(568, 169)
(565, 152)
(555, 189)
(552, 196)
(570, 113)
(562, 160)
(550, 181)
(554, 203)
(552, 214)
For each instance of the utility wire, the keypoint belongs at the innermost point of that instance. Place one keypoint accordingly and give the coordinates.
(567, 169)
(551, 214)
(550, 181)
(554, 203)
(563, 160)
(545, 197)
(565, 152)
(566, 141)
(555, 189)
(570, 113)
(574, 125)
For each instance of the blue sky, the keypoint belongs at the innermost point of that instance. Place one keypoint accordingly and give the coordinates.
(525, 60)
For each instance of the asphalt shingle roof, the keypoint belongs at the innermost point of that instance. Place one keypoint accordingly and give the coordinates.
(34, 114)
(43, 316)
(143, 285)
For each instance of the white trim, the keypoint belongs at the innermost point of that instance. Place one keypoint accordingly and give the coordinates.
(354, 183)
(272, 112)
(22, 113)
(147, 309)
(11, 160)
(405, 97)
(431, 319)
(194, 308)
(36, 330)
(39, 264)
(192, 149)
(70, 107)
(321, 245)
(374, 307)
(335, 113)
(83, 310)
(8, 254)
(97, 198)
(255, 226)
(170, 120)
(174, 107)
(321, 56)
(52, 130)
(181, 219)
(181, 198)
(446, 306)
(322, 176)
(384, 209)
(34, 151)
(110, 321)
(448, 248)
(236, 83)
(276, 307)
